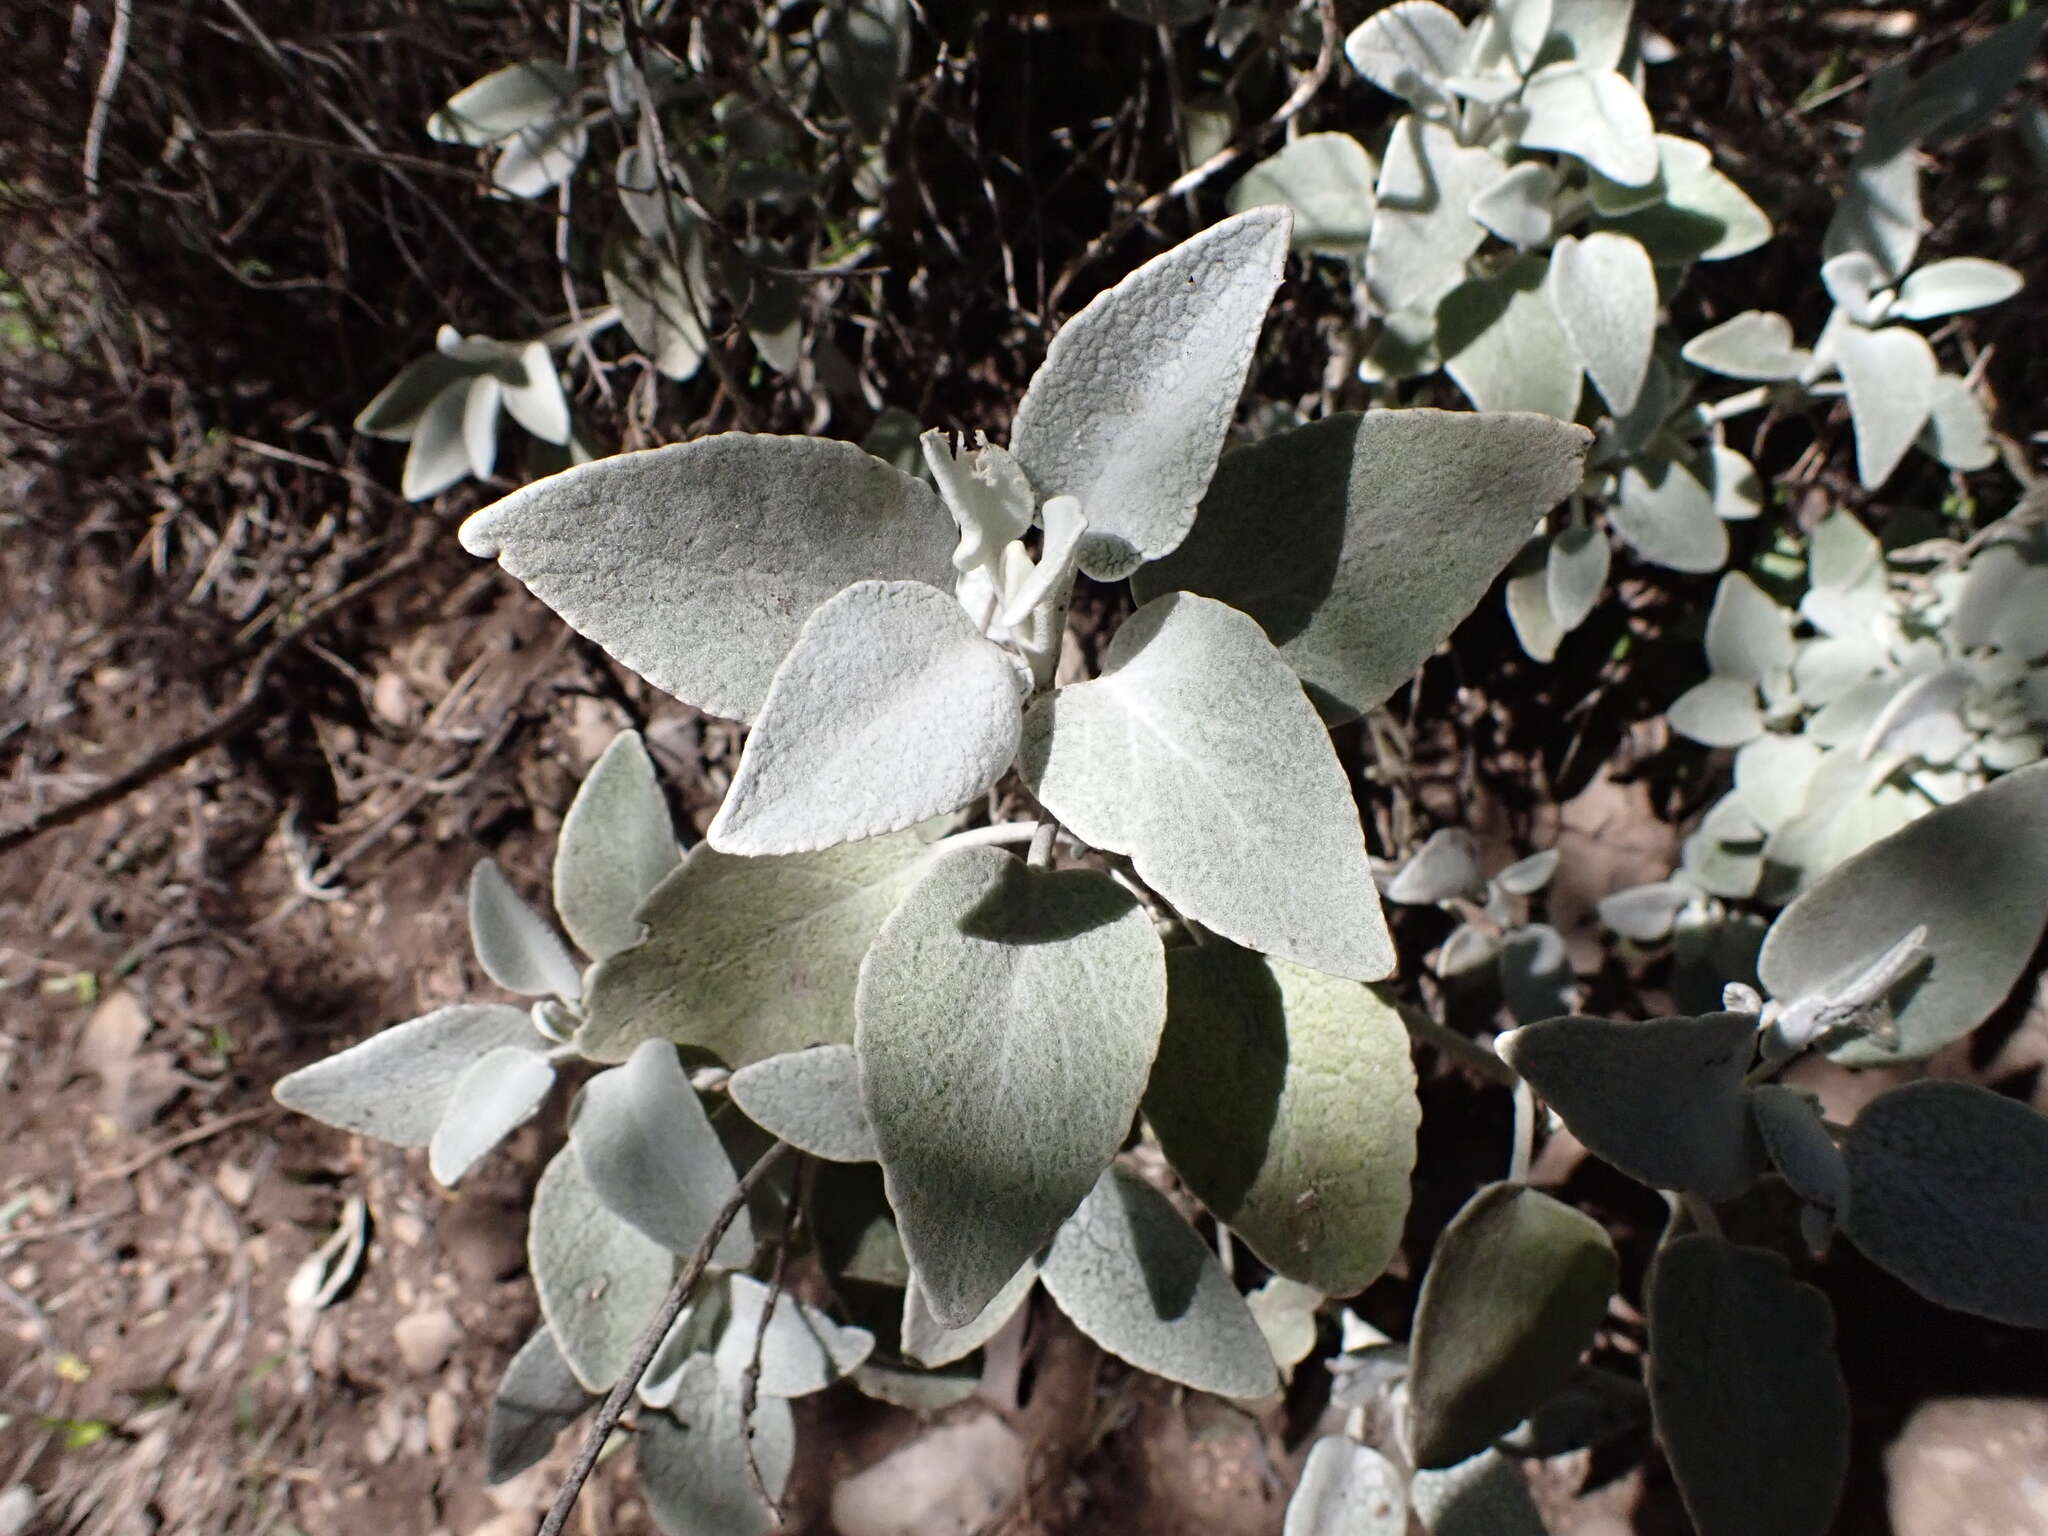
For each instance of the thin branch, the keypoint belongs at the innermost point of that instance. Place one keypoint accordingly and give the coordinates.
(103, 94)
(643, 1352)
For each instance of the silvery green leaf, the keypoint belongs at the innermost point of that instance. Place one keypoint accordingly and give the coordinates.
(1843, 556)
(1663, 1099)
(480, 424)
(1880, 210)
(696, 565)
(1596, 30)
(1701, 214)
(617, 844)
(395, 1085)
(1196, 755)
(694, 1332)
(801, 1349)
(864, 48)
(1666, 515)
(1129, 409)
(1958, 430)
(693, 1458)
(1484, 1495)
(1484, 1353)
(1536, 973)
(1593, 115)
(987, 492)
(439, 456)
(1725, 856)
(1924, 718)
(1408, 50)
(661, 304)
(1604, 293)
(1422, 231)
(534, 397)
(1347, 1489)
(1746, 1389)
(1827, 669)
(540, 158)
(1756, 344)
(649, 1152)
(1799, 1145)
(750, 958)
(1772, 774)
(1525, 877)
(1286, 1100)
(1524, 28)
(538, 1398)
(810, 1099)
(1738, 494)
(1944, 1192)
(890, 709)
(395, 411)
(1749, 637)
(599, 1280)
(1612, 200)
(1285, 1311)
(1503, 345)
(1981, 931)
(1951, 286)
(1135, 1277)
(1721, 712)
(655, 210)
(1360, 541)
(920, 1391)
(1853, 280)
(498, 1094)
(1518, 206)
(515, 944)
(1997, 579)
(1445, 866)
(1469, 949)
(503, 102)
(1053, 572)
(1008, 1017)
(1645, 913)
(1328, 180)
(931, 1343)
(1528, 597)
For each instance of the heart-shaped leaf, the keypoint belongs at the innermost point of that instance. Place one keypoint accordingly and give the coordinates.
(1445, 866)
(1196, 754)
(1594, 115)
(930, 1342)
(800, 1349)
(1645, 913)
(1952, 286)
(1575, 574)
(1772, 774)
(1515, 1289)
(499, 1093)
(1518, 207)
(1721, 712)
(696, 565)
(1945, 1192)
(1667, 516)
(810, 1099)
(1746, 1389)
(1663, 1100)
(1697, 214)
(1604, 292)
(1135, 1277)
(1503, 345)
(1008, 1019)
(1360, 541)
(518, 96)
(1980, 931)
(1129, 409)
(1328, 180)
(1749, 637)
(1756, 344)
(1409, 50)
(1536, 976)
(890, 709)
(599, 1279)
(647, 1149)
(1423, 230)
(1958, 430)
(1286, 1099)
(1528, 598)
(1890, 374)
(1879, 212)
(538, 1399)
(396, 1085)
(617, 845)
(750, 958)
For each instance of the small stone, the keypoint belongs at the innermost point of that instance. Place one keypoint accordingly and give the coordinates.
(953, 1481)
(406, 1229)
(444, 1419)
(425, 1339)
(235, 1183)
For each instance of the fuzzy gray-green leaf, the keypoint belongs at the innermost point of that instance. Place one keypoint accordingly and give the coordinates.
(1008, 1019)
(695, 565)
(1515, 1288)
(498, 1094)
(1139, 1281)
(538, 1398)
(1604, 293)
(801, 1350)
(810, 1099)
(600, 1281)
(1661, 1099)
(1746, 1389)
(1327, 179)
(1360, 541)
(617, 844)
(1347, 1489)
(1503, 344)
(693, 1458)
(1890, 374)
(1129, 409)
(750, 958)
(395, 1086)
(1286, 1099)
(1196, 754)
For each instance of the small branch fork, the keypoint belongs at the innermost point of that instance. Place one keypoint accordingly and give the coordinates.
(609, 1413)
